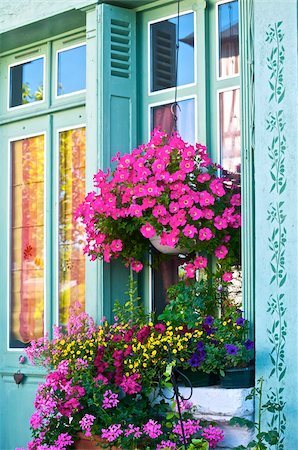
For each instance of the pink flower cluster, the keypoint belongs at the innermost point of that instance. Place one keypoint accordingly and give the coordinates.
(166, 187)
(110, 399)
(86, 424)
(190, 427)
(213, 435)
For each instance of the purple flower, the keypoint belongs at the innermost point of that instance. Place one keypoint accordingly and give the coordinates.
(209, 320)
(240, 322)
(195, 360)
(200, 345)
(249, 345)
(231, 349)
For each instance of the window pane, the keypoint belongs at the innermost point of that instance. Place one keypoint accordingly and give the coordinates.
(163, 117)
(228, 34)
(27, 241)
(71, 233)
(164, 39)
(71, 70)
(229, 111)
(26, 83)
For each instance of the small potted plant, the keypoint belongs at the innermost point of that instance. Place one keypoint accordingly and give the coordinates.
(189, 305)
(229, 349)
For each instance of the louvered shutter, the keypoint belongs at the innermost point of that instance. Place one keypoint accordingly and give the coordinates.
(163, 57)
(117, 113)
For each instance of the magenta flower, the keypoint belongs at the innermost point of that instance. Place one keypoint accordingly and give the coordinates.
(147, 230)
(136, 266)
(111, 433)
(200, 262)
(152, 429)
(213, 435)
(130, 385)
(189, 231)
(205, 234)
(110, 399)
(227, 276)
(86, 423)
(221, 252)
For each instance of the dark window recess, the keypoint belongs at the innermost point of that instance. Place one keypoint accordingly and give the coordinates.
(164, 40)
(26, 83)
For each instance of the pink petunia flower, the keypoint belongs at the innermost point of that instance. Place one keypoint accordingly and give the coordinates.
(221, 252)
(147, 230)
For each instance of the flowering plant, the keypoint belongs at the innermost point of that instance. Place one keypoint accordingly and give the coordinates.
(167, 188)
(224, 343)
(105, 381)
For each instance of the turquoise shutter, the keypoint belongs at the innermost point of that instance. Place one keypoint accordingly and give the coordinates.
(117, 114)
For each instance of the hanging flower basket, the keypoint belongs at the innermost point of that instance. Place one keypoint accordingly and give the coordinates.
(166, 249)
(170, 189)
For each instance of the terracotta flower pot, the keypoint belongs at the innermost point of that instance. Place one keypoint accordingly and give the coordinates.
(91, 443)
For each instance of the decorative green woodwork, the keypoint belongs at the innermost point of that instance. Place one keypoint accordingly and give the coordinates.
(277, 241)
(247, 157)
(117, 115)
(276, 212)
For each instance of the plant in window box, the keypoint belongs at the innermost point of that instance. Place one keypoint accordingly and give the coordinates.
(104, 382)
(167, 188)
(225, 348)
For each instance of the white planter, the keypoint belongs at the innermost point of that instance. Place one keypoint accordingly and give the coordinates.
(166, 249)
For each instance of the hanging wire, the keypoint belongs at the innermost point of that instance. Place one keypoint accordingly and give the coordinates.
(175, 105)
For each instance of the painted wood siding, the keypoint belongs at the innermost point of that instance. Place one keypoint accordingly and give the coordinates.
(276, 199)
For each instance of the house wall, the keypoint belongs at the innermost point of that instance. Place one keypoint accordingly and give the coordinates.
(276, 198)
(14, 14)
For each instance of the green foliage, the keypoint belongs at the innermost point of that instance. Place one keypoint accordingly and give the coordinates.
(132, 311)
(263, 439)
(189, 302)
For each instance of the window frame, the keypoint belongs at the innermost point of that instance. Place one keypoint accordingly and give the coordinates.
(24, 61)
(56, 190)
(183, 86)
(218, 132)
(227, 77)
(57, 97)
(16, 138)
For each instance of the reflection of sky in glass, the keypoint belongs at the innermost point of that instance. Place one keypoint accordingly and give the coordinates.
(162, 117)
(164, 40)
(26, 79)
(71, 70)
(186, 49)
(228, 15)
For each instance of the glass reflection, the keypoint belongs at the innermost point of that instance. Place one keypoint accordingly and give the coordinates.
(71, 233)
(26, 83)
(228, 33)
(164, 39)
(27, 241)
(229, 116)
(71, 70)
(163, 117)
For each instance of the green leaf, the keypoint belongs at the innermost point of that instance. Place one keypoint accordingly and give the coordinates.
(242, 422)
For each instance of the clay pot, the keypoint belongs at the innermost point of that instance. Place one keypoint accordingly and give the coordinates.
(91, 443)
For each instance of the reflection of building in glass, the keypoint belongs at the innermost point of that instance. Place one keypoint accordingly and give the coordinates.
(228, 39)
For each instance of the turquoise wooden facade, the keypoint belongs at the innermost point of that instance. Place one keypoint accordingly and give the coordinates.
(115, 111)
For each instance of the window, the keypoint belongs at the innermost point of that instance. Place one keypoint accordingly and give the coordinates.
(207, 69)
(71, 70)
(47, 166)
(26, 82)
